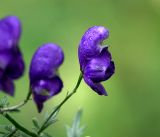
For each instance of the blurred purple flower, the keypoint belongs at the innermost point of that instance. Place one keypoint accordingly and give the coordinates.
(95, 60)
(11, 60)
(44, 79)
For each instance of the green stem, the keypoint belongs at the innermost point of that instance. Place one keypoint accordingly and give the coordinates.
(12, 108)
(60, 105)
(18, 126)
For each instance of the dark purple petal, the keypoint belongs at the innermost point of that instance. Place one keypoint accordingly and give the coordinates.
(90, 45)
(5, 58)
(16, 66)
(101, 67)
(7, 85)
(45, 61)
(45, 89)
(10, 31)
(1, 73)
(110, 70)
(97, 87)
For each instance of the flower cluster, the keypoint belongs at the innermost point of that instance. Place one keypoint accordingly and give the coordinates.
(95, 60)
(44, 80)
(11, 60)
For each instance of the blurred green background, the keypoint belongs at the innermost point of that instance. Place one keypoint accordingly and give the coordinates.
(132, 107)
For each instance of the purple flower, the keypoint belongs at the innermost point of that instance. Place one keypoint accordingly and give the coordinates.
(95, 60)
(44, 79)
(11, 60)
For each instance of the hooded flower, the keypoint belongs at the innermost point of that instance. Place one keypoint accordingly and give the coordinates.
(44, 80)
(11, 60)
(95, 60)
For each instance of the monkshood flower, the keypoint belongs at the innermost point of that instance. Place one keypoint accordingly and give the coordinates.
(95, 60)
(11, 60)
(44, 80)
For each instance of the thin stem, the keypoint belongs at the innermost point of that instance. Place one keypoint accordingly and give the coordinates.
(18, 126)
(60, 105)
(12, 108)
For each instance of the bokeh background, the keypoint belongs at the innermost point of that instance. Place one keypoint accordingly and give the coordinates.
(132, 108)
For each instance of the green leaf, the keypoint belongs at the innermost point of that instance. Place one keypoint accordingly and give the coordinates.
(45, 135)
(9, 128)
(36, 123)
(75, 130)
(2, 126)
(11, 134)
(2, 133)
(21, 134)
(14, 111)
(11, 131)
(52, 120)
(4, 102)
(6, 135)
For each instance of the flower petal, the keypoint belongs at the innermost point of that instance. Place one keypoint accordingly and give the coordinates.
(110, 70)
(97, 87)
(10, 31)
(45, 61)
(90, 45)
(100, 68)
(5, 58)
(7, 85)
(45, 89)
(16, 67)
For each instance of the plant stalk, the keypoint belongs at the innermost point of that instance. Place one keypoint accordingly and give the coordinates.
(18, 126)
(12, 108)
(61, 104)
